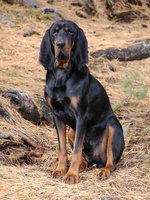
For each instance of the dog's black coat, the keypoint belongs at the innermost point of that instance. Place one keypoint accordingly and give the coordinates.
(92, 113)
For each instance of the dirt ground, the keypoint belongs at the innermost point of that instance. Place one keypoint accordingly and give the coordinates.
(19, 69)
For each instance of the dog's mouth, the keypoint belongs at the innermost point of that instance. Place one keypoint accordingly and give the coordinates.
(61, 56)
(61, 59)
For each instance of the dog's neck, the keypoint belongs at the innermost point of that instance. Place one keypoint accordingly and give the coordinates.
(61, 75)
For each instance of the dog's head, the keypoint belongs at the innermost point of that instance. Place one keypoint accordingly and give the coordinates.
(62, 35)
(62, 44)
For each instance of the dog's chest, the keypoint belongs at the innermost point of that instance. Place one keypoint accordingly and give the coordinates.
(59, 97)
(56, 88)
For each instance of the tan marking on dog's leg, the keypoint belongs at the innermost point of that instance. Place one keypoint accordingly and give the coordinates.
(72, 175)
(71, 135)
(103, 146)
(84, 162)
(74, 101)
(105, 172)
(62, 157)
(48, 100)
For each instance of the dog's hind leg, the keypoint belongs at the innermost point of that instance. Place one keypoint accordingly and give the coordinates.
(104, 173)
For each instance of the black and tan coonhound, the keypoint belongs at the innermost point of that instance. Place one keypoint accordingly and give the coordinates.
(78, 100)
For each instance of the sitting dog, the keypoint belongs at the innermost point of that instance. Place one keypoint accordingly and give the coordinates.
(79, 101)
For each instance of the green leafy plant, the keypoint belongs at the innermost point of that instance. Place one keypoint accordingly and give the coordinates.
(116, 107)
(1, 47)
(126, 128)
(19, 16)
(147, 129)
(130, 86)
(110, 2)
(33, 12)
(12, 74)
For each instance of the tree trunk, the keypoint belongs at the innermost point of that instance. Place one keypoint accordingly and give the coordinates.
(135, 52)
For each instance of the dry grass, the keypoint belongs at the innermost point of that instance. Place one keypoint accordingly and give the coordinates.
(19, 69)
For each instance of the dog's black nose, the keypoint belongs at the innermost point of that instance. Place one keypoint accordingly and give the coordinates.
(60, 44)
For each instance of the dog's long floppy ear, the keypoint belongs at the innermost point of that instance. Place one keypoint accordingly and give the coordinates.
(81, 50)
(46, 57)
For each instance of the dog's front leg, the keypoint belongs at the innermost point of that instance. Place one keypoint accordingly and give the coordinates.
(72, 175)
(62, 156)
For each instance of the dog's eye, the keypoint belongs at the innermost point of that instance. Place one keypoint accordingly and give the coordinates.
(55, 32)
(70, 32)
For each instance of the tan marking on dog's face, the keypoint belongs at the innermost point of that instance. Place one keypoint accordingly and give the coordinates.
(74, 101)
(66, 28)
(66, 51)
(62, 34)
(56, 28)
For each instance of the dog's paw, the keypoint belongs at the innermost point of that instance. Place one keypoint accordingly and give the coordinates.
(83, 165)
(103, 173)
(71, 178)
(58, 173)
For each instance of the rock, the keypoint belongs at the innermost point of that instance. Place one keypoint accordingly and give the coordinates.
(81, 13)
(29, 32)
(144, 26)
(76, 3)
(4, 114)
(45, 111)
(6, 20)
(23, 104)
(10, 1)
(31, 3)
(56, 16)
(112, 68)
(49, 9)
(50, 1)
(89, 7)
(123, 13)
(107, 198)
(54, 13)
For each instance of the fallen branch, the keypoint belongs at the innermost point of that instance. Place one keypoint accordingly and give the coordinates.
(19, 152)
(137, 115)
(135, 52)
(27, 139)
(5, 145)
(26, 157)
(81, 13)
(5, 136)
